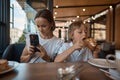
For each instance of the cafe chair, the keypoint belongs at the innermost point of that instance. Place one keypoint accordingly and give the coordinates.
(107, 48)
(13, 52)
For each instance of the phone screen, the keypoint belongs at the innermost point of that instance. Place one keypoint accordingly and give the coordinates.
(34, 40)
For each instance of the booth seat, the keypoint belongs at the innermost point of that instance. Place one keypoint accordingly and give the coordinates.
(13, 52)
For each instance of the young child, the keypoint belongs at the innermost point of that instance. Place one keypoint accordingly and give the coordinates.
(75, 50)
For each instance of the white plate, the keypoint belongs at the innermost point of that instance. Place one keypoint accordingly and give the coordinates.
(102, 63)
(113, 74)
(108, 75)
(12, 65)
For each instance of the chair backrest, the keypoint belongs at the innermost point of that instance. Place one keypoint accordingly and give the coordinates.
(107, 48)
(13, 52)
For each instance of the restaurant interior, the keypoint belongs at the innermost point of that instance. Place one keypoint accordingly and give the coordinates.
(102, 18)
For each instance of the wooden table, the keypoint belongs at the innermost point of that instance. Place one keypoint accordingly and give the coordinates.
(48, 71)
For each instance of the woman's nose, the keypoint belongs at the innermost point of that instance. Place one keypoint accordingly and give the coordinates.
(40, 28)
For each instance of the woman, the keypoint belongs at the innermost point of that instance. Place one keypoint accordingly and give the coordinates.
(76, 49)
(48, 43)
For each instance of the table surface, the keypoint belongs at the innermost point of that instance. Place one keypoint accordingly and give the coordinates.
(48, 71)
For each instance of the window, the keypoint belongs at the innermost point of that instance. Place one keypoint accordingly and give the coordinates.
(17, 21)
(98, 29)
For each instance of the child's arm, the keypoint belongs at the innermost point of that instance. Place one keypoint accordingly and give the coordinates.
(61, 57)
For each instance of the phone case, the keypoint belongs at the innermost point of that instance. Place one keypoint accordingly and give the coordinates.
(34, 40)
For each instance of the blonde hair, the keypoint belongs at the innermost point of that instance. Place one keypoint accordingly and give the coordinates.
(73, 26)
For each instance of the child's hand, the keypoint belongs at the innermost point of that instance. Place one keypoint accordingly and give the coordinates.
(90, 43)
(78, 45)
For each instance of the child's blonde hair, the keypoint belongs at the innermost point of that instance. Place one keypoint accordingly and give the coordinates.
(72, 27)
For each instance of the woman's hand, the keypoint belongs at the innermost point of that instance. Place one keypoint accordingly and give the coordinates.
(26, 54)
(31, 50)
(43, 54)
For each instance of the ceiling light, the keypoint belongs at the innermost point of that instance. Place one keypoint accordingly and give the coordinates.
(84, 22)
(54, 17)
(88, 21)
(110, 7)
(93, 18)
(78, 16)
(73, 20)
(56, 6)
(83, 9)
(55, 13)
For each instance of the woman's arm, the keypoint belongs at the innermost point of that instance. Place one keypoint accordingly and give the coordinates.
(43, 54)
(26, 55)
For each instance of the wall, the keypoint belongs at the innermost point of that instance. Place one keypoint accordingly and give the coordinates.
(113, 30)
(109, 26)
(117, 27)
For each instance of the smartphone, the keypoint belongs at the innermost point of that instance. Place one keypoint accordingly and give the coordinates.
(34, 40)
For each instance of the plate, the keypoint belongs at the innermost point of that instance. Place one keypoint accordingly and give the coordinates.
(108, 75)
(102, 63)
(12, 65)
(113, 74)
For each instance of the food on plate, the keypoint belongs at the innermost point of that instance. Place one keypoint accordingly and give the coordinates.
(3, 65)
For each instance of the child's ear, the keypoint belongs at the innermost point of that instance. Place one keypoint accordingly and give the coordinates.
(72, 35)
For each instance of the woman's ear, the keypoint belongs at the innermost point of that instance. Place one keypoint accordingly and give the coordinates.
(52, 26)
